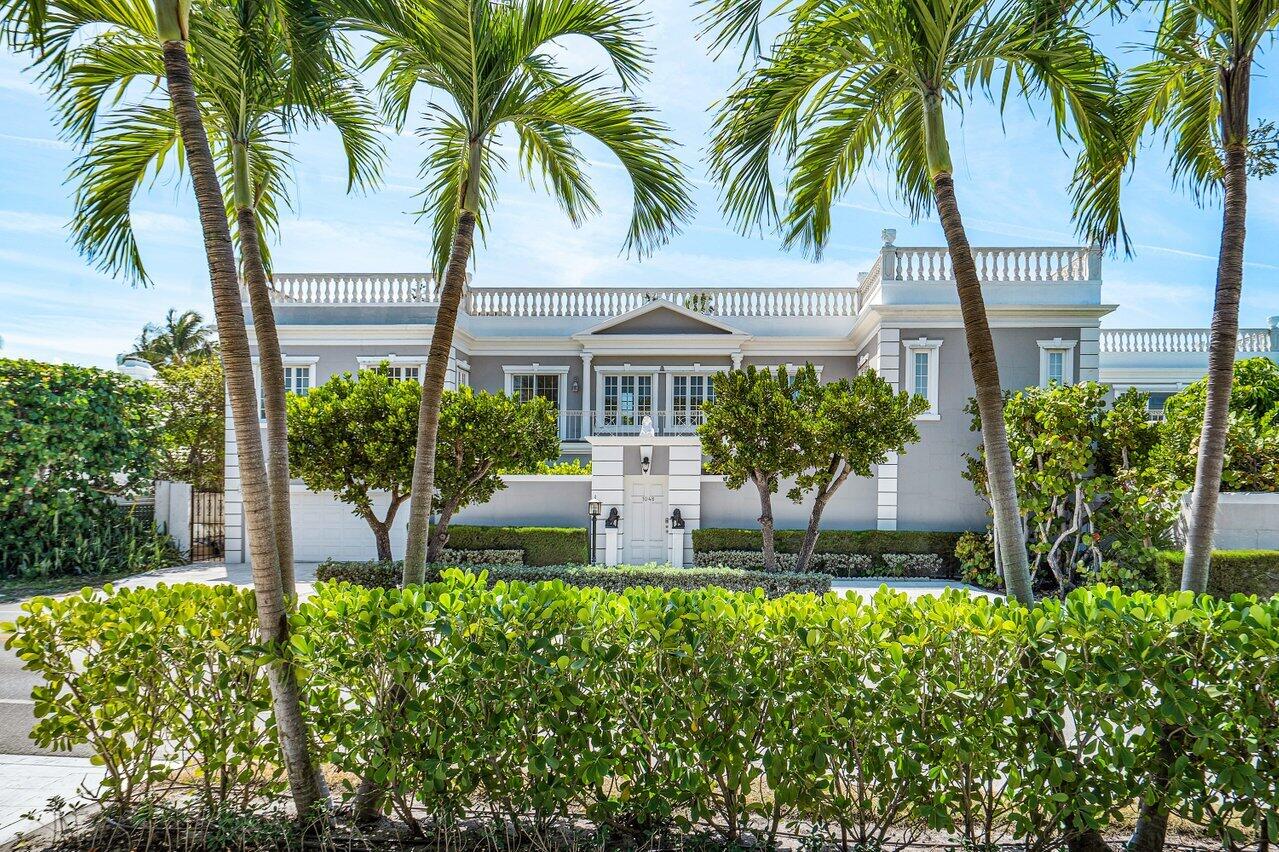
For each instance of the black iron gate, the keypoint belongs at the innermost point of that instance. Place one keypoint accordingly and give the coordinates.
(207, 526)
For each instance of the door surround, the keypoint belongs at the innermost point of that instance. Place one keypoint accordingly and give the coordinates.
(643, 521)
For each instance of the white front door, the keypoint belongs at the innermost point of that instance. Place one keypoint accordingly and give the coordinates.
(645, 520)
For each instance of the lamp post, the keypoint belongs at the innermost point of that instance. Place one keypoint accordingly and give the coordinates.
(593, 508)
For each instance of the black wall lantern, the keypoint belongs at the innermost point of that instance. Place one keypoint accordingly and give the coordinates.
(613, 520)
(677, 520)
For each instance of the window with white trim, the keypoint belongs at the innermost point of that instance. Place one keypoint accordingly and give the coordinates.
(921, 372)
(463, 374)
(397, 367)
(526, 386)
(627, 398)
(688, 392)
(1056, 362)
(297, 380)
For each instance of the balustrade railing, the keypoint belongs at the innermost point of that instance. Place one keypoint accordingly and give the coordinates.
(1177, 340)
(353, 289)
(578, 425)
(611, 301)
(1069, 263)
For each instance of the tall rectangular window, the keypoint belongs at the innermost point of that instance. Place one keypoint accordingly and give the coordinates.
(627, 398)
(1056, 366)
(525, 386)
(297, 379)
(688, 393)
(921, 373)
(400, 372)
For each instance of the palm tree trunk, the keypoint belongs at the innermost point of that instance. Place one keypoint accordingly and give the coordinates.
(304, 781)
(270, 366)
(1221, 369)
(990, 400)
(428, 418)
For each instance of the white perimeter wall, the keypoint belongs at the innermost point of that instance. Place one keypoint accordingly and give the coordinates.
(1245, 520)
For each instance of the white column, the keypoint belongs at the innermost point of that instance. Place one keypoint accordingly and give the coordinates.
(232, 497)
(608, 486)
(587, 404)
(889, 361)
(675, 549)
(450, 371)
(610, 546)
(737, 360)
(1089, 354)
(684, 492)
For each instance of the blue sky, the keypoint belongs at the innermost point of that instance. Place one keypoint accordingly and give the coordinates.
(1010, 177)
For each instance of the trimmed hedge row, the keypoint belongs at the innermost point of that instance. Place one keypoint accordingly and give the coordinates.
(1246, 572)
(873, 543)
(543, 706)
(541, 545)
(834, 564)
(386, 575)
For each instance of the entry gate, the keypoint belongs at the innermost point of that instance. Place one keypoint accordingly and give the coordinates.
(207, 526)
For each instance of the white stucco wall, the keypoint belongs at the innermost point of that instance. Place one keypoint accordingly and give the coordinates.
(1245, 521)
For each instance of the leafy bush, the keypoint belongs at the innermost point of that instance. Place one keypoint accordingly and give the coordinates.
(386, 575)
(976, 555)
(1252, 442)
(872, 543)
(1245, 572)
(155, 680)
(572, 467)
(541, 545)
(913, 564)
(72, 437)
(702, 709)
(834, 564)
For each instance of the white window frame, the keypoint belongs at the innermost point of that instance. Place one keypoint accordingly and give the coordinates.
(931, 348)
(624, 370)
(510, 371)
(463, 374)
(1067, 350)
(369, 361)
(308, 361)
(686, 370)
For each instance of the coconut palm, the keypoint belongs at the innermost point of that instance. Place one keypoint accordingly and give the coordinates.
(180, 338)
(487, 69)
(1194, 94)
(850, 83)
(65, 32)
(251, 95)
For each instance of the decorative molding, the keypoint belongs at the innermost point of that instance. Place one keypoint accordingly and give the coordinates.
(933, 350)
(1067, 350)
(659, 305)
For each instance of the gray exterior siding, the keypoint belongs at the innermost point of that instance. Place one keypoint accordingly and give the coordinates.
(852, 507)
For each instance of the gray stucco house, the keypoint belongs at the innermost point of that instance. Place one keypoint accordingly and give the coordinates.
(607, 357)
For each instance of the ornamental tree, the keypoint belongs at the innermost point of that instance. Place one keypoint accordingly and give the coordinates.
(855, 424)
(480, 435)
(194, 406)
(355, 435)
(756, 430)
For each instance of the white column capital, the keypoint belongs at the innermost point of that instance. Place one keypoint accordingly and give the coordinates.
(586, 358)
(737, 360)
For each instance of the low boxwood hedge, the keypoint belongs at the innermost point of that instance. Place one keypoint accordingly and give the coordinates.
(541, 545)
(1248, 572)
(834, 564)
(873, 543)
(386, 575)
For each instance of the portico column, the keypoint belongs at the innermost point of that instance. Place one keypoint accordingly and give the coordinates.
(737, 360)
(586, 393)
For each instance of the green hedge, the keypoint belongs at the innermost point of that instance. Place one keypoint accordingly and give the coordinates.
(541, 545)
(873, 543)
(386, 575)
(829, 717)
(1247, 572)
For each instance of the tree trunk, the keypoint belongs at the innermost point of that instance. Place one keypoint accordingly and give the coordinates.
(766, 523)
(815, 517)
(1151, 830)
(381, 535)
(304, 779)
(439, 537)
(428, 418)
(990, 401)
(271, 367)
(1221, 368)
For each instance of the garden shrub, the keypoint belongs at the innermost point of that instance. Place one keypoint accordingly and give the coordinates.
(976, 555)
(155, 681)
(541, 545)
(913, 565)
(72, 439)
(1246, 572)
(872, 543)
(834, 564)
(387, 575)
(537, 703)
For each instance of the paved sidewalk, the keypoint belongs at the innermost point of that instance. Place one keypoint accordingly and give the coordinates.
(28, 782)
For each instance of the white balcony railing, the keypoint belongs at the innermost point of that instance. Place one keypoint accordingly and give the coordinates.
(1130, 340)
(610, 301)
(353, 289)
(577, 425)
(1070, 263)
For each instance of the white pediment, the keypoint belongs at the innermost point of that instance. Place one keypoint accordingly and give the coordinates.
(661, 317)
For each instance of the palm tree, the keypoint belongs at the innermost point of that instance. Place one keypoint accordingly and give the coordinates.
(852, 81)
(58, 31)
(251, 95)
(488, 69)
(1195, 94)
(180, 338)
